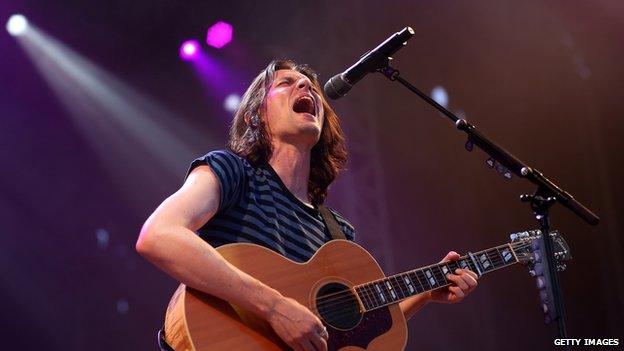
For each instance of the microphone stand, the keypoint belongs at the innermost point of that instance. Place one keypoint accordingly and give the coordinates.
(546, 195)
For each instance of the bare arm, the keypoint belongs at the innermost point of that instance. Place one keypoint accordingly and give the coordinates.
(414, 304)
(168, 240)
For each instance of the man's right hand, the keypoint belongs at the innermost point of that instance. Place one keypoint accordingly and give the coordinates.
(168, 239)
(297, 326)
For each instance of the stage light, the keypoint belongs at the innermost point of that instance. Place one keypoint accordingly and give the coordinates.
(122, 306)
(102, 237)
(440, 95)
(189, 49)
(219, 34)
(17, 25)
(231, 103)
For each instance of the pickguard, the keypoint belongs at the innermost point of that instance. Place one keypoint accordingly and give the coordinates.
(373, 324)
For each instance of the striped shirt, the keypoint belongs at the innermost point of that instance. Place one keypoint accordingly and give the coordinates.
(256, 207)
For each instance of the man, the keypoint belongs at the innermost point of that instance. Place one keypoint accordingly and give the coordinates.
(286, 147)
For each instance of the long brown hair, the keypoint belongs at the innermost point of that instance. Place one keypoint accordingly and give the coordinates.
(250, 138)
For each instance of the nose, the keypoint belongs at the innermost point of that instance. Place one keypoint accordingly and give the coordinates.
(304, 83)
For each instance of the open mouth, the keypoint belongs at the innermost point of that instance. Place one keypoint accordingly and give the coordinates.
(305, 104)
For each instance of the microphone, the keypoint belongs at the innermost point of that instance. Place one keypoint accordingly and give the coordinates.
(340, 84)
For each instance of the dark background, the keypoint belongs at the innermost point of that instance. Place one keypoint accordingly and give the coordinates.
(542, 78)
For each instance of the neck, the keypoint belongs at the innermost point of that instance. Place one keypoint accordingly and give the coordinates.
(292, 165)
(396, 288)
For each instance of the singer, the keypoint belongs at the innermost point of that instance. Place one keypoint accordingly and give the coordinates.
(285, 148)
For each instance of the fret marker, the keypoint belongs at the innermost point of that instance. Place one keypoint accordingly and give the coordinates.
(463, 264)
(484, 261)
(507, 255)
(432, 280)
(410, 287)
(381, 295)
(445, 269)
(394, 296)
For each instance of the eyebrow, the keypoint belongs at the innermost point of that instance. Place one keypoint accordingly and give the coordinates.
(292, 78)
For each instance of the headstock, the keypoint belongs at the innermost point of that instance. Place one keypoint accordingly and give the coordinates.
(526, 247)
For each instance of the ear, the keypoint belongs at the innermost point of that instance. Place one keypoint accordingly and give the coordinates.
(247, 118)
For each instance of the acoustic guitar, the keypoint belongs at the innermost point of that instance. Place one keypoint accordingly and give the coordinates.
(342, 284)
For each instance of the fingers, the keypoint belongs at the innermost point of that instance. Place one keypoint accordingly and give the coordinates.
(454, 256)
(472, 274)
(320, 344)
(298, 327)
(324, 334)
(451, 256)
(459, 294)
(469, 277)
(458, 280)
(316, 339)
(306, 345)
(464, 283)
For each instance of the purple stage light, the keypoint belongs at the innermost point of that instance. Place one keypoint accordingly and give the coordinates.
(219, 34)
(189, 49)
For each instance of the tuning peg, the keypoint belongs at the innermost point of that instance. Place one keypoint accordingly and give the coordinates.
(545, 307)
(519, 236)
(540, 282)
(561, 267)
(559, 255)
(516, 236)
(538, 269)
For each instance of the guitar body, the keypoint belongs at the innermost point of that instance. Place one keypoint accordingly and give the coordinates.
(198, 321)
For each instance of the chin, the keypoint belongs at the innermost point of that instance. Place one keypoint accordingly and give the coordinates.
(311, 134)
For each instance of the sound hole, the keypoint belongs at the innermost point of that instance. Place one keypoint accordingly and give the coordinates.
(338, 306)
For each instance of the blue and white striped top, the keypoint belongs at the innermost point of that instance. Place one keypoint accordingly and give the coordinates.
(256, 207)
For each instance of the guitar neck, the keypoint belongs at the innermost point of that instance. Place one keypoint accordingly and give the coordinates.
(396, 288)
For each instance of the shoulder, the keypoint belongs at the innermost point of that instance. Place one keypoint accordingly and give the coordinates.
(225, 163)
(225, 158)
(231, 172)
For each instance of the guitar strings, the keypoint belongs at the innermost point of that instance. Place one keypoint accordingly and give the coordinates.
(344, 310)
(346, 294)
(340, 299)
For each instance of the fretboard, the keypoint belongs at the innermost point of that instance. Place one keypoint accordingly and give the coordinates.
(396, 288)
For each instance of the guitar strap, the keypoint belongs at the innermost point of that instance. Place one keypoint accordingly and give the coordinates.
(331, 223)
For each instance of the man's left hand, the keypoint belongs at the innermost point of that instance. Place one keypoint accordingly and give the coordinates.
(463, 283)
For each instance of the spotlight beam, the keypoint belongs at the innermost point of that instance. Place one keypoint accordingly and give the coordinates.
(134, 136)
